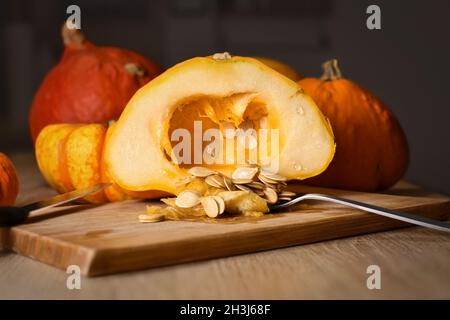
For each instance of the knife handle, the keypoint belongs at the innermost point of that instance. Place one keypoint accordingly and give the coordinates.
(10, 216)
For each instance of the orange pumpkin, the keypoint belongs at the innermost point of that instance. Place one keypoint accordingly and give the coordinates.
(70, 156)
(9, 182)
(372, 151)
(90, 84)
(281, 67)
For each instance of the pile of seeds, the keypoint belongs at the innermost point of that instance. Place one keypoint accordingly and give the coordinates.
(250, 178)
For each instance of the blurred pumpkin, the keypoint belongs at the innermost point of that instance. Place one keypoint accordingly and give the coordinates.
(371, 147)
(70, 156)
(9, 182)
(90, 84)
(280, 67)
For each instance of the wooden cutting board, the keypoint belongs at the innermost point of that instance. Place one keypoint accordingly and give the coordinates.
(108, 238)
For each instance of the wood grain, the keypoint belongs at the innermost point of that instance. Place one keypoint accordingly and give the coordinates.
(414, 264)
(107, 239)
(413, 261)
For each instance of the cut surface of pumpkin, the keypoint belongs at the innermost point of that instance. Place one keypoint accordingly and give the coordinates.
(218, 112)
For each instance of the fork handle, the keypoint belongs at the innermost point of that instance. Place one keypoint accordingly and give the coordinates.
(393, 214)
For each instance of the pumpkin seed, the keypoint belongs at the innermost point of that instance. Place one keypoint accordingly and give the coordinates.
(187, 199)
(201, 172)
(287, 194)
(215, 181)
(256, 185)
(244, 173)
(220, 202)
(275, 187)
(272, 176)
(271, 195)
(211, 207)
(259, 192)
(229, 184)
(154, 217)
(185, 181)
(243, 187)
(241, 181)
(285, 198)
(267, 181)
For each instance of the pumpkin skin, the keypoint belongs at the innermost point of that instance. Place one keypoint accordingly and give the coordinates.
(215, 90)
(372, 151)
(70, 157)
(281, 67)
(90, 84)
(9, 182)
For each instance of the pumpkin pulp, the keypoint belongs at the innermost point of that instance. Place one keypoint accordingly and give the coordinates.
(237, 122)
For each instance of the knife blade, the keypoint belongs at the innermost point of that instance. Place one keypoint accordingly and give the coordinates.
(64, 198)
(10, 216)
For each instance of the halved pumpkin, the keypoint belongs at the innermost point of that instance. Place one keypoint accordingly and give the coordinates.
(219, 92)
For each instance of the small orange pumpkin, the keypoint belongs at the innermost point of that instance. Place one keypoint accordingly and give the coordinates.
(90, 84)
(371, 147)
(9, 182)
(70, 156)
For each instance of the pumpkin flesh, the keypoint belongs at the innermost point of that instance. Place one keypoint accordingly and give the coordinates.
(138, 152)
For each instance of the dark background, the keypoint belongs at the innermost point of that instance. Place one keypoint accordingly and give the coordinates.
(407, 63)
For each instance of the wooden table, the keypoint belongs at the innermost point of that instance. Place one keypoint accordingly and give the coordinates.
(414, 263)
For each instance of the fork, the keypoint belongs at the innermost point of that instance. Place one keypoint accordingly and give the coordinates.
(393, 214)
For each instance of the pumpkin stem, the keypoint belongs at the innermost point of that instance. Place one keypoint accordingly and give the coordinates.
(331, 70)
(73, 38)
(134, 69)
(222, 56)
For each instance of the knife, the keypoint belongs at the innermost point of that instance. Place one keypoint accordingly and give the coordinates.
(10, 216)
